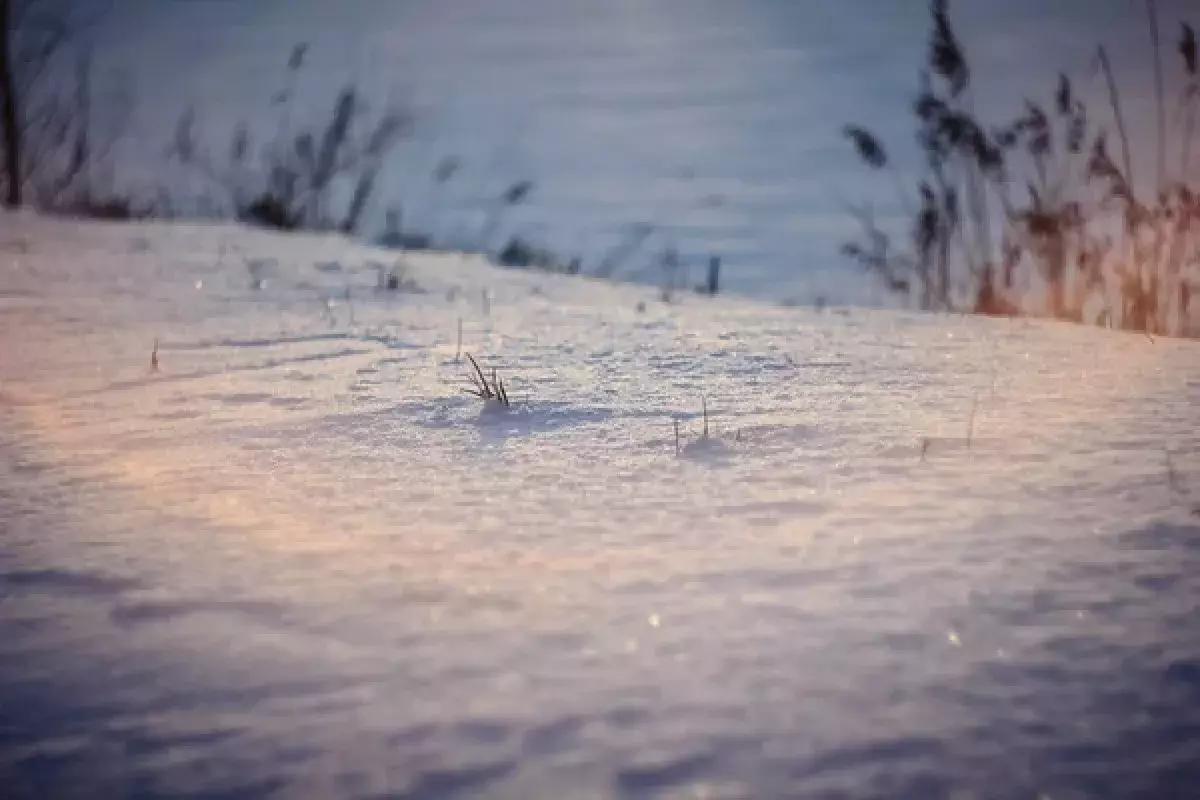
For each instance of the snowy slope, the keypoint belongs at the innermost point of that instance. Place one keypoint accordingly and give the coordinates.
(917, 556)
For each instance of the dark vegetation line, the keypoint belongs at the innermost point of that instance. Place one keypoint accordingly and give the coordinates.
(1035, 217)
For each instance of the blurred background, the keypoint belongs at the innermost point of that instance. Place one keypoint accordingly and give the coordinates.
(718, 122)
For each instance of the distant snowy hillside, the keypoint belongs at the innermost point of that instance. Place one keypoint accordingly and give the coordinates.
(915, 556)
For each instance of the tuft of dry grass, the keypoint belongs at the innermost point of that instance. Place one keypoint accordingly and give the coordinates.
(1046, 200)
(489, 391)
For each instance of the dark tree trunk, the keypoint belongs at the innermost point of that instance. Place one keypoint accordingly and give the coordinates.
(8, 111)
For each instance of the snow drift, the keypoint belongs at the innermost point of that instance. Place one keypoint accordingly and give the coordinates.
(913, 555)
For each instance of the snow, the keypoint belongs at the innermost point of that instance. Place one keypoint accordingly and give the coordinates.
(914, 556)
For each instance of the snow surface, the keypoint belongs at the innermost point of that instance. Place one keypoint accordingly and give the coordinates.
(917, 556)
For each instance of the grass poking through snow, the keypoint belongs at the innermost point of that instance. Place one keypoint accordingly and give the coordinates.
(491, 392)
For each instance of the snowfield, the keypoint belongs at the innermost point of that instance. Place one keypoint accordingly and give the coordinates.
(915, 556)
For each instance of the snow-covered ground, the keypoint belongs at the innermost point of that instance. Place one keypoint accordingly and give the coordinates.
(916, 556)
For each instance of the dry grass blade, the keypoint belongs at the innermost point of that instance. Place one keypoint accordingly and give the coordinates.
(1173, 481)
(498, 386)
(971, 421)
(478, 380)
